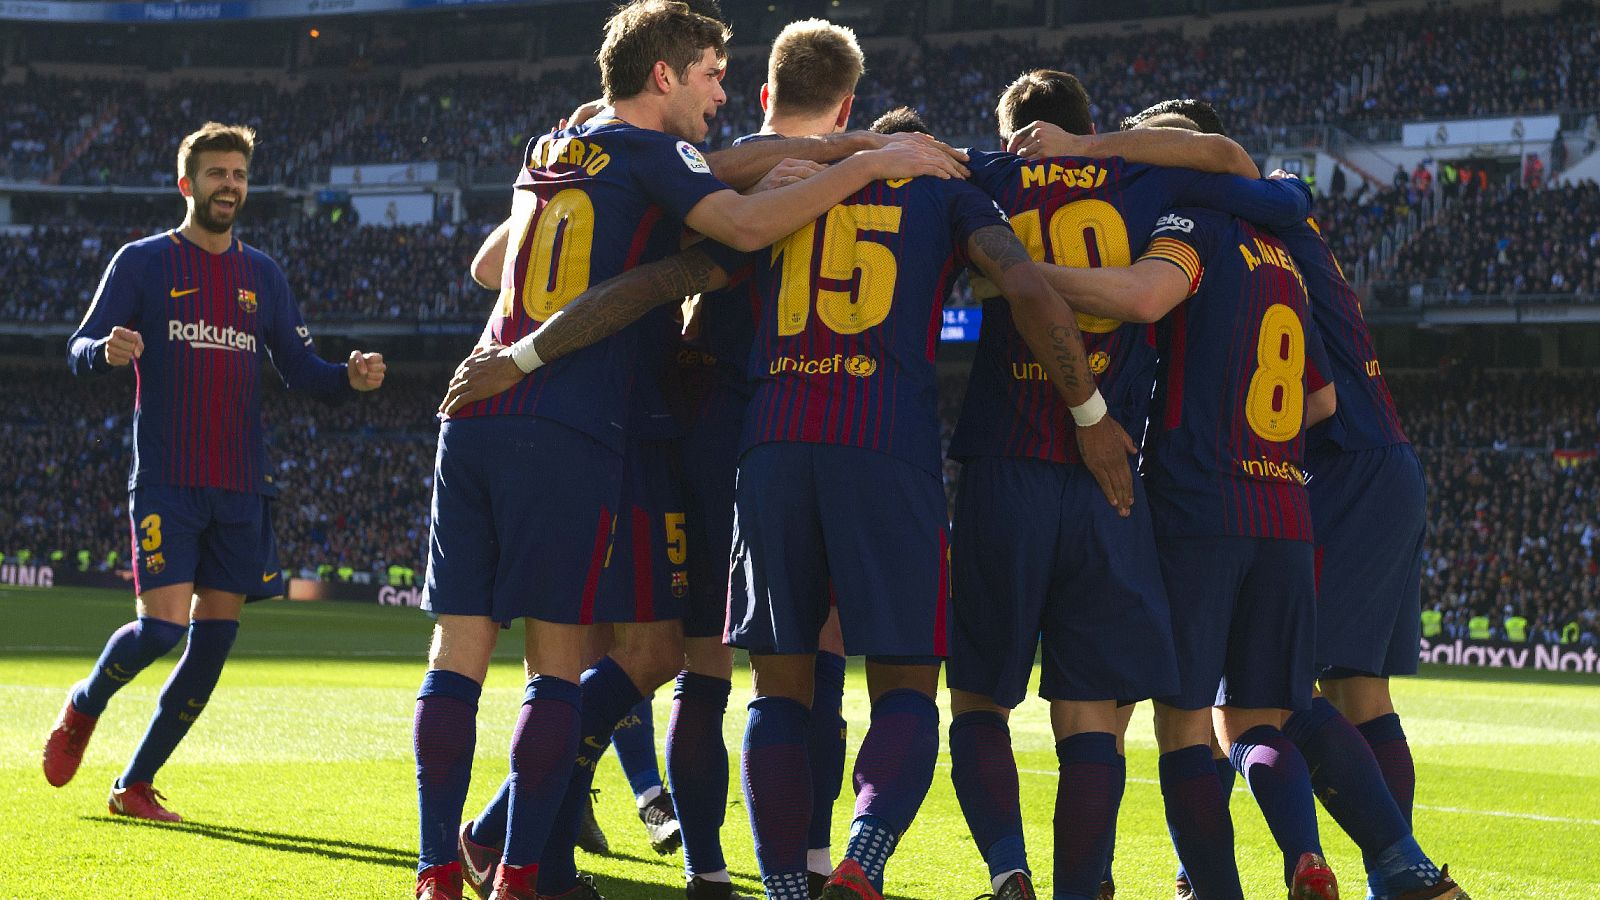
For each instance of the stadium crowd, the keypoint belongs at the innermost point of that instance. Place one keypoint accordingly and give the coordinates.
(1507, 241)
(1412, 65)
(337, 271)
(1514, 522)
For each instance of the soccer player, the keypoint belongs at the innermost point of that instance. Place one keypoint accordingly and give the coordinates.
(1037, 559)
(191, 309)
(1233, 525)
(592, 202)
(1368, 509)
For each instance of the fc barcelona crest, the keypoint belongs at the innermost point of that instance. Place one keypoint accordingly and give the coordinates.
(154, 563)
(247, 300)
(680, 583)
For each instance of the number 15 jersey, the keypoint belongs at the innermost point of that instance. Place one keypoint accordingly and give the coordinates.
(1226, 441)
(851, 309)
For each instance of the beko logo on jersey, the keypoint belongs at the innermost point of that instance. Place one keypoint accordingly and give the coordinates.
(1174, 222)
(202, 335)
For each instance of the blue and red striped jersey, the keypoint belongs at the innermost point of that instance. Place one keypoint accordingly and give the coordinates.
(850, 316)
(608, 196)
(1084, 212)
(1226, 441)
(714, 362)
(1366, 417)
(205, 319)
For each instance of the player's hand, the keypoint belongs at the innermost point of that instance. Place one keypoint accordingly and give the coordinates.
(488, 371)
(365, 370)
(582, 114)
(785, 173)
(124, 346)
(1280, 173)
(1105, 448)
(909, 159)
(872, 140)
(1037, 140)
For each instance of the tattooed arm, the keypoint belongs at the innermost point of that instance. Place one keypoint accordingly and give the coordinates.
(595, 314)
(1048, 326)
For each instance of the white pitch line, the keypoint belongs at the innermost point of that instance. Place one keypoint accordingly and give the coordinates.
(1532, 817)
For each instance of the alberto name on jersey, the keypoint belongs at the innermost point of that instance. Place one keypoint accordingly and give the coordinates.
(1226, 445)
(852, 304)
(609, 196)
(205, 318)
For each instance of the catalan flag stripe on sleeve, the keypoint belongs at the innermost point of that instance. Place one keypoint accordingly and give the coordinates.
(1179, 254)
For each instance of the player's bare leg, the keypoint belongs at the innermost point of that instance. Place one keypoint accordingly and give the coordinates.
(1280, 781)
(444, 738)
(1196, 806)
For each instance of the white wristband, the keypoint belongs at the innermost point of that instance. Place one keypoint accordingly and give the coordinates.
(526, 357)
(1090, 411)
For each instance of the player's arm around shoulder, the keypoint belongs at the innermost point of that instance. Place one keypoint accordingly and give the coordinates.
(103, 341)
(751, 222)
(1143, 292)
(1176, 147)
(590, 317)
(1047, 325)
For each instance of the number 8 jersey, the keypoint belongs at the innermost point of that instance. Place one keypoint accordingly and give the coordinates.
(1227, 429)
(608, 196)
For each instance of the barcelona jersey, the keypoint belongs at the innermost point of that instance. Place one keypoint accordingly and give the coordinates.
(607, 196)
(1085, 213)
(206, 319)
(1226, 442)
(1366, 417)
(851, 307)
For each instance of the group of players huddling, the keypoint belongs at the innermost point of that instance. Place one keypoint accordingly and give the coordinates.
(1184, 480)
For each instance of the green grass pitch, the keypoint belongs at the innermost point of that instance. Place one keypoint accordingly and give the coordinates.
(298, 781)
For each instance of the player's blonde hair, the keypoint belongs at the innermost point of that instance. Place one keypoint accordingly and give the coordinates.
(814, 65)
(214, 136)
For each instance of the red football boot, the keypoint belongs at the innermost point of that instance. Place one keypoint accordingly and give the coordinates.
(140, 801)
(1313, 880)
(849, 882)
(516, 883)
(440, 882)
(63, 750)
(478, 862)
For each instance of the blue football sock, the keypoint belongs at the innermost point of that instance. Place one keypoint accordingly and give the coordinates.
(489, 828)
(788, 886)
(1393, 753)
(826, 746)
(129, 651)
(1198, 820)
(1281, 783)
(1088, 795)
(697, 764)
(184, 696)
(608, 694)
(777, 786)
(542, 749)
(444, 735)
(635, 740)
(1349, 783)
(984, 773)
(1226, 775)
(894, 769)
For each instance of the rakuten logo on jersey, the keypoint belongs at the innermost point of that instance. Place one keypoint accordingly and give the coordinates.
(202, 335)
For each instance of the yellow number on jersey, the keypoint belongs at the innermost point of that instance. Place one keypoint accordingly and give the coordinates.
(844, 254)
(677, 538)
(1275, 407)
(1073, 228)
(558, 260)
(151, 525)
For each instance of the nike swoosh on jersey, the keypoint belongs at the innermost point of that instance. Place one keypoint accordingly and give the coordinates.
(177, 293)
